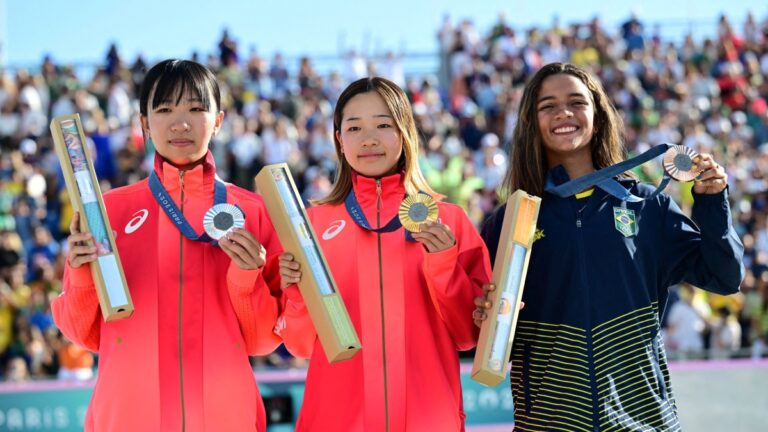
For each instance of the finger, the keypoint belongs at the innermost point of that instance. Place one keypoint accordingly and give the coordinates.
(74, 226)
(428, 242)
(441, 231)
(286, 256)
(489, 288)
(244, 238)
(293, 276)
(79, 239)
(291, 265)
(236, 252)
(483, 303)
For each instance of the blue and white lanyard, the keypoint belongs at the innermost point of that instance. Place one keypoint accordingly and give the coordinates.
(604, 178)
(176, 216)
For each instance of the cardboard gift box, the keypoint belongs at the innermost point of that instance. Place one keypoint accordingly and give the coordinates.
(85, 195)
(509, 270)
(324, 303)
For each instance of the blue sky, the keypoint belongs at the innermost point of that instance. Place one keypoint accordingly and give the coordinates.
(81, 31)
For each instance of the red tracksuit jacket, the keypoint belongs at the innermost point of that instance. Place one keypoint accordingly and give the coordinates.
(412, 311)
(181, 361)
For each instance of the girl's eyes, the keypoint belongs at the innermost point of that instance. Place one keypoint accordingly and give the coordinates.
(549, 107)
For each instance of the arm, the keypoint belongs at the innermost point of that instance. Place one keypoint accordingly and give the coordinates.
(251, 276)
(454, 277)
(76, 310)
(708, 253)
(294, 325)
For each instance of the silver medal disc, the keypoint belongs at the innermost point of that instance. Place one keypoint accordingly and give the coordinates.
(221, 218)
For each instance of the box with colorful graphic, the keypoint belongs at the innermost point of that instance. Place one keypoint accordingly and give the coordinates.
(498, 331)
(324, 303)
(85, 194)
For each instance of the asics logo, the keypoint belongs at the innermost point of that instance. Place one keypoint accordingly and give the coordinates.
(334, 229)
(136, 221)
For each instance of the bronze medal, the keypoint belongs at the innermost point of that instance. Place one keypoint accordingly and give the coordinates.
(681, 163)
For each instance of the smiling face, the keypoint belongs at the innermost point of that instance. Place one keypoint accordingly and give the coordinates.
(565, 114)
(369, 137)
(182, 131)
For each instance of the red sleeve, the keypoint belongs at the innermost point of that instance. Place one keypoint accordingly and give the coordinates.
(76, 310)
(455, 277)
(295, 326)
(255, 294)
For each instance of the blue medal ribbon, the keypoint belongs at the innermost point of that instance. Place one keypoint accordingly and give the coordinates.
(354, 210)
(176, 216)
(604, 178)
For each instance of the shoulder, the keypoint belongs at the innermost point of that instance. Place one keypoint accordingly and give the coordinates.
(244, 196)
(130, 189)
(322, 210)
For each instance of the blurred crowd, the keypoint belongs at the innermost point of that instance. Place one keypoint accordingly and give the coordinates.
(707, 94)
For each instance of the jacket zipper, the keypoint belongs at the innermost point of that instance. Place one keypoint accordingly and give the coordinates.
(590, 348)
(181, 297)
(381, 296)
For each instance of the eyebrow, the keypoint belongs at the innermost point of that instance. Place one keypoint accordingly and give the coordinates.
(374, 116)
(192, 99)
(545, 98)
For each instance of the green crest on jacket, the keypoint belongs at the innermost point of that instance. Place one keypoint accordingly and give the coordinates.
(624, 221)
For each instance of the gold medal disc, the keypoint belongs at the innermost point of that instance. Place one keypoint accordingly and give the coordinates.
(681, 163)
(417, 209)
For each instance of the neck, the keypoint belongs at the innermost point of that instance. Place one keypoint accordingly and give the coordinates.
(186, 166)
(575, 165)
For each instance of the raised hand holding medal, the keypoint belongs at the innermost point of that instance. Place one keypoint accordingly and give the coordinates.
(712, 179)
(419, 215)
(224, 222)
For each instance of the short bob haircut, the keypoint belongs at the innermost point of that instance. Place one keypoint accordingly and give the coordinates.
(171, 80)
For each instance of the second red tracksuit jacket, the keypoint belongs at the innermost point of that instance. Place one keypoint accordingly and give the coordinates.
(412, 311)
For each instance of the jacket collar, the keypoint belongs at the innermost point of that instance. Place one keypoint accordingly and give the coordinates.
(198, 181)
(392, 189)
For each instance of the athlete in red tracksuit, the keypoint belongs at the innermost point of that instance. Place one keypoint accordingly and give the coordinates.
(180, 362)
(410, 300)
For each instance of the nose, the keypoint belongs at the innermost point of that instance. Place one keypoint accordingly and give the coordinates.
(371, 138)
(180, 124)
(563, 112)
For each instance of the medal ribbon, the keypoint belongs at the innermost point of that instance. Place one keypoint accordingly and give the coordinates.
(604, 178)
(354, 210)
(175, 215)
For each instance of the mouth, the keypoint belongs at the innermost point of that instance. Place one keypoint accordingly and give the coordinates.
(565, 130)
(370, 156)
(181, 142)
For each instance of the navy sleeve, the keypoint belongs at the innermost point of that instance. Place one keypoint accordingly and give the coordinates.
(708, 253)
(491, 231)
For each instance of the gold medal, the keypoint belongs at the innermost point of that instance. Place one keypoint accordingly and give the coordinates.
(417, 209)
(681, 163)
(221, 218)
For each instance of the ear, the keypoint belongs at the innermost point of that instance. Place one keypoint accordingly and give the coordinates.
(341, 143)
(219, 121)
(144, 124)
